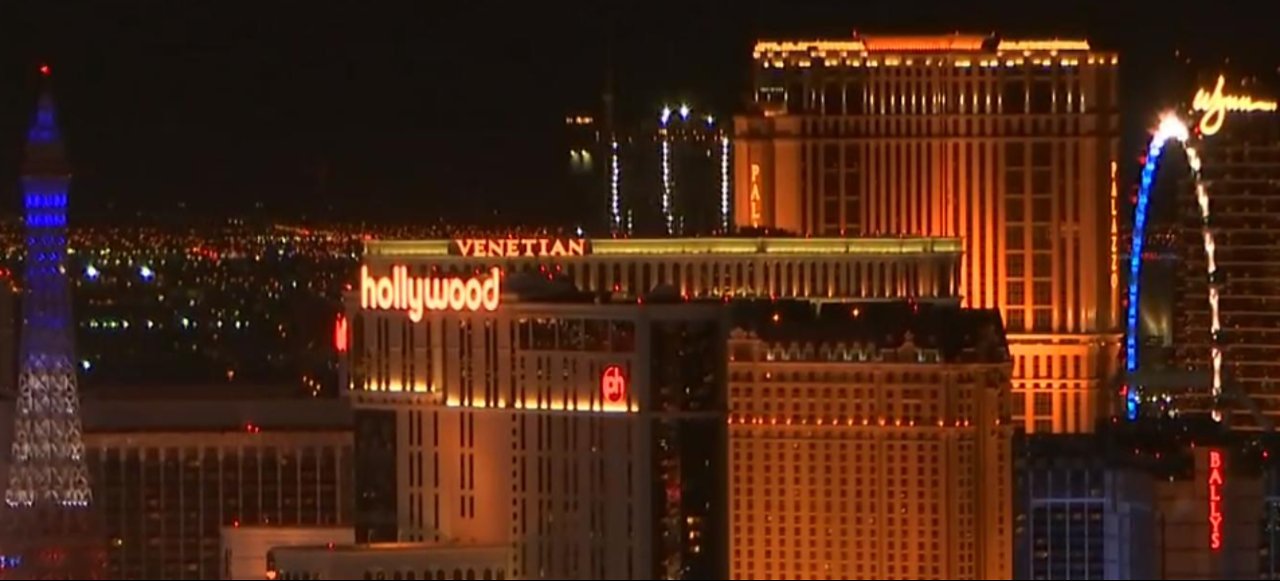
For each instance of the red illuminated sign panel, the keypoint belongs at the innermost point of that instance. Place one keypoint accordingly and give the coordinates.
(340, 334)
(613, 385)
(1215, 499)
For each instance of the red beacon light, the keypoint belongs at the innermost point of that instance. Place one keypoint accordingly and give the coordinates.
(45, 70)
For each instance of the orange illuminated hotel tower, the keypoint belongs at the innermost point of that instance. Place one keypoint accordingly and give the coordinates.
(1007, 144)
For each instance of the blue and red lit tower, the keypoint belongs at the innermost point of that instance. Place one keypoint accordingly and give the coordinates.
(48, 528)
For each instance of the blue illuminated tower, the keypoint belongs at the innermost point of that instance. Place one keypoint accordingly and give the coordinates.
(48, 530)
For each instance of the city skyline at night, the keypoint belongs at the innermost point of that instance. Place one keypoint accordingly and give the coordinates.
(699, 290)
(231, 120)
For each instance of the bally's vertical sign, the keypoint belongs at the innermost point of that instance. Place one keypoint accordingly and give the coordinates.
(1216, 481)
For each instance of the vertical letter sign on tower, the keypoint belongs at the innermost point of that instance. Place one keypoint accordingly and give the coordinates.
(613, 386)
(1215, 500)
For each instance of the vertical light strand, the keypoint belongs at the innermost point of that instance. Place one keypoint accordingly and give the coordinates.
(666, 182)
(1211, 272)
(615, 200)
(724, 183)
(1115, 247)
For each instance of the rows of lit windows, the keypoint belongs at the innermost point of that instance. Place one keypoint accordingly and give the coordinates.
(913, 131)
(276, 482)
(888, 190)
(1032, 223)
(1243, 167)
(882, 498)
(559, 489)
(924, 275)
(1052, 392)
(408, 574)
(924, 90)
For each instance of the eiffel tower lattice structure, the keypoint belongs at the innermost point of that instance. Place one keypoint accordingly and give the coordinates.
(48, 529)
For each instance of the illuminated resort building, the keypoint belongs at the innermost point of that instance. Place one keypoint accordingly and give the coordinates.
(172, 466)
(869, 441)
(584, 437)
(812, 268)
(1007, 144)
(1240, 166)
(600, 375)
(668, 175)
(1179, 501)
(387, 561)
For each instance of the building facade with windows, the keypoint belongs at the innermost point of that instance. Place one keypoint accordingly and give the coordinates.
(1009, 145)
(387, 561)
(172, 466)
(1240, 163)
(584, 436)
(1169, 499)
(869, 441)
(727, 267)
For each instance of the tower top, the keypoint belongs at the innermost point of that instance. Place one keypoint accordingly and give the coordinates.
(44, 154)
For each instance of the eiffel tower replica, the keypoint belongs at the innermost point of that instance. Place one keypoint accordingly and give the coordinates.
(48, 529)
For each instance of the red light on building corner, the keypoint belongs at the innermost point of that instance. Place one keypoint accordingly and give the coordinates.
(1215, 500)
(340, 334)
(44, 70)
(613, 385)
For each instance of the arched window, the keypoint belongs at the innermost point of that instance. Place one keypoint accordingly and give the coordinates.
(457, 574)
(488, 574)
(471, 573)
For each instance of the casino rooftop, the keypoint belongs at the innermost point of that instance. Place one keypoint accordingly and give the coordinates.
(701, 246)
(721, 267)
(955, 334)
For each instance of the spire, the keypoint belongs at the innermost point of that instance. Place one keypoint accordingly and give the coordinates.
(44, 154)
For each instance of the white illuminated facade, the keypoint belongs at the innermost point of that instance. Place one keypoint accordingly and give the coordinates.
(573, 433)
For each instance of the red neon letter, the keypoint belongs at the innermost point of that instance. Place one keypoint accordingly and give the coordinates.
(1215, 499)
(340, 334)
(613, 386)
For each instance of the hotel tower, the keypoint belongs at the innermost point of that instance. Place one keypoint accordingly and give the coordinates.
(1007, 144)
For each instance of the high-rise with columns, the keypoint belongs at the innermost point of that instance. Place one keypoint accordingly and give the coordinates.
(1008, 144)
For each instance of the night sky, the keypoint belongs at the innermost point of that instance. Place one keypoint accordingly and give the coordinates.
(421, 111)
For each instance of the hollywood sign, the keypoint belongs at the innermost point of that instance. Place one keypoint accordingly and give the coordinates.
(418, 294)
